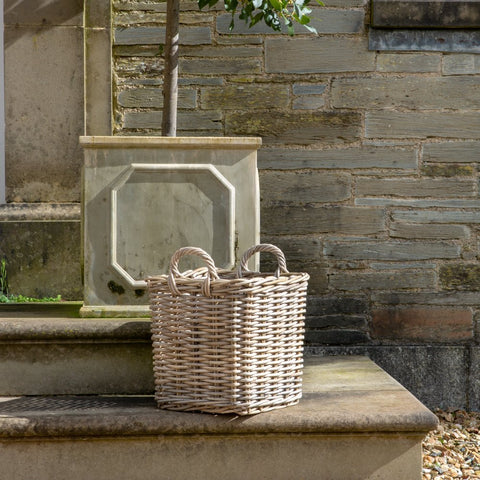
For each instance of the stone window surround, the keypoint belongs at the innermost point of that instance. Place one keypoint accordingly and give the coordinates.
(425, 25)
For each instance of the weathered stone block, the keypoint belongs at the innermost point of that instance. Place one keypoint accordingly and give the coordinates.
(452, 152)
(430, 298)
(198, 120)
(306, 249)
(297, 188)
(412, 92)
(244, 97)
(346, 3)
(474, 390)
(419, 231)
(136, 51)
(408, 62)
(313, 102)
(200, 81)
(296, 220)
(460, 64)
(402, 265)
(432, 216)
(429, 325)
(412, 202)
(338, 321)
(156, 36)
(128, 68)
(308, 89)
(348, 158)
(407, 187)
(296, 128)
(446, 170)
(45, 113)
(318, 283)
(97, 14)
(225, 52)
(153, 98)
(335, 337)
(317, 55)
(43, 258)
(425, 14)
(140, 17)
(422, 125)
(98, 79)
(325, 21)
(360, 282)
(437, 375)
(381, 250)
(333, 306)
(303, 254)
(50, 12)
(216, 66)
(460, 276)
(427, 40)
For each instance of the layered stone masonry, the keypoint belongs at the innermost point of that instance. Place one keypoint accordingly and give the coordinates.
(369, 170)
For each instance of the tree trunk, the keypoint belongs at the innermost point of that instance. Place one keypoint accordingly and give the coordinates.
(170, 75)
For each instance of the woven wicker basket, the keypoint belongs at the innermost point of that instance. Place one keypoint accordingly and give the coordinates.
(228, 342)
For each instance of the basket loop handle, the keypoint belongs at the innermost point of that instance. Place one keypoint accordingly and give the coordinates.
(263, 247)
(174, 272)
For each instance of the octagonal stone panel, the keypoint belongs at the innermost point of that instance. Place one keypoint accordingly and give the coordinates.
(195, 204)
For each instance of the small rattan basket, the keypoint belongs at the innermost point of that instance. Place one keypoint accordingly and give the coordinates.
(228, 342)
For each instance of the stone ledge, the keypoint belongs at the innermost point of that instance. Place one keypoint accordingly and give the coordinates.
(46, 328)
(40, 212)
(342, 395)
(224, 143)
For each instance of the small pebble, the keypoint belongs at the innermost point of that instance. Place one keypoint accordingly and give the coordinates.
(453, 450)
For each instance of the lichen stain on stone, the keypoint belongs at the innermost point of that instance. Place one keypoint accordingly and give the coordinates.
(460, 277)
(115, 287)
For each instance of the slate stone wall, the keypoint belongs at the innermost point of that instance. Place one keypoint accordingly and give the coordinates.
(369, 173)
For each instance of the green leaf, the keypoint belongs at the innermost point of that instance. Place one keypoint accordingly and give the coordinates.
(276, 4)
(311, 29)
(256, 19)
(202, 3)
(304, 20)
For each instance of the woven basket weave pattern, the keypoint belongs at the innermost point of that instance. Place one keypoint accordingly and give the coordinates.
(224, 344)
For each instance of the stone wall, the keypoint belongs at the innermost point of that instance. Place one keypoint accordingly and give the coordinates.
(368, 173)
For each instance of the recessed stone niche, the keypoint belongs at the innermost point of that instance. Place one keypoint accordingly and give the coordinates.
(145, 197)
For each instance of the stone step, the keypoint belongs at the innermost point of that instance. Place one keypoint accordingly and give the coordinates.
(354, 422)
(47, 350)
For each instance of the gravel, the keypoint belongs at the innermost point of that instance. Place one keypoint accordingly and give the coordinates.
(453, 450)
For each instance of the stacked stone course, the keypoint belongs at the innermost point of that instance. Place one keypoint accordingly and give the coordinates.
(368, 173)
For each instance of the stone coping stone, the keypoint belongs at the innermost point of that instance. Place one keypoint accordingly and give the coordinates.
(25, 311)
(341, 395)
(44, 327)
(170, 142)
